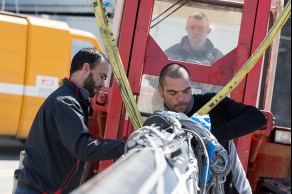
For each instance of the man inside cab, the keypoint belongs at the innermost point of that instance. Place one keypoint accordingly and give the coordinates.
(195, 47)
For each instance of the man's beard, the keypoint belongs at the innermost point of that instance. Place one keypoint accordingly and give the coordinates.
(197, 41)
(89, 85)
(179, 105)
(174, 107)
(189, 104)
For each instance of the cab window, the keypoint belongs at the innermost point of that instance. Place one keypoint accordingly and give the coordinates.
(196, 32)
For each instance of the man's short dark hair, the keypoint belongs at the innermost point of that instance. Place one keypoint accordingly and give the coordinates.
(172, 70)
(86, 55)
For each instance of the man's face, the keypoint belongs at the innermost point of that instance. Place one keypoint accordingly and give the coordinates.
(198, 30)
(97, 76)
(177, 93)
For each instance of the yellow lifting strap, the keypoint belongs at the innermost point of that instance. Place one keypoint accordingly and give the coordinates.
(286, 13)
(116, 63)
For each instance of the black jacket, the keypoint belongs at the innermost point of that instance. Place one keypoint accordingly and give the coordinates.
(58, 137)
(183, 52)
(229, 120)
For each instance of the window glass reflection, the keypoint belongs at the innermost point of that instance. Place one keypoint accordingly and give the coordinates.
(196, 32)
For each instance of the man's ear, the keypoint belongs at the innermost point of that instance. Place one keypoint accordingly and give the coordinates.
(86, 67)
(160, 89)
(209, 30)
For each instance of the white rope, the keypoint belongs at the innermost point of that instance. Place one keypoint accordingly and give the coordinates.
(191, 180)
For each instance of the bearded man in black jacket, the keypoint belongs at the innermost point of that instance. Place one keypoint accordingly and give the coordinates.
(229, 119)
(59, 141)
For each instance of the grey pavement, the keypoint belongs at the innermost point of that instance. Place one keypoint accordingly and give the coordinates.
(9, 161)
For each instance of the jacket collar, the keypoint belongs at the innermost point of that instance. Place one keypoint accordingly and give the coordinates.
(185, 45)
(81, 93)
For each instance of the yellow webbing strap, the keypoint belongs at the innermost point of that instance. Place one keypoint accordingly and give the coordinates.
(116, 63)
(250, 63)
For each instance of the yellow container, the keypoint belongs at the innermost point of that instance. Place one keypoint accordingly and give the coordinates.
(35, 55)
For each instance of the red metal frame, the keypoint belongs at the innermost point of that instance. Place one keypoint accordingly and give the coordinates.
(273, 160)
(114, 109)
(252, 80)
(140, 44)
(140, 55)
